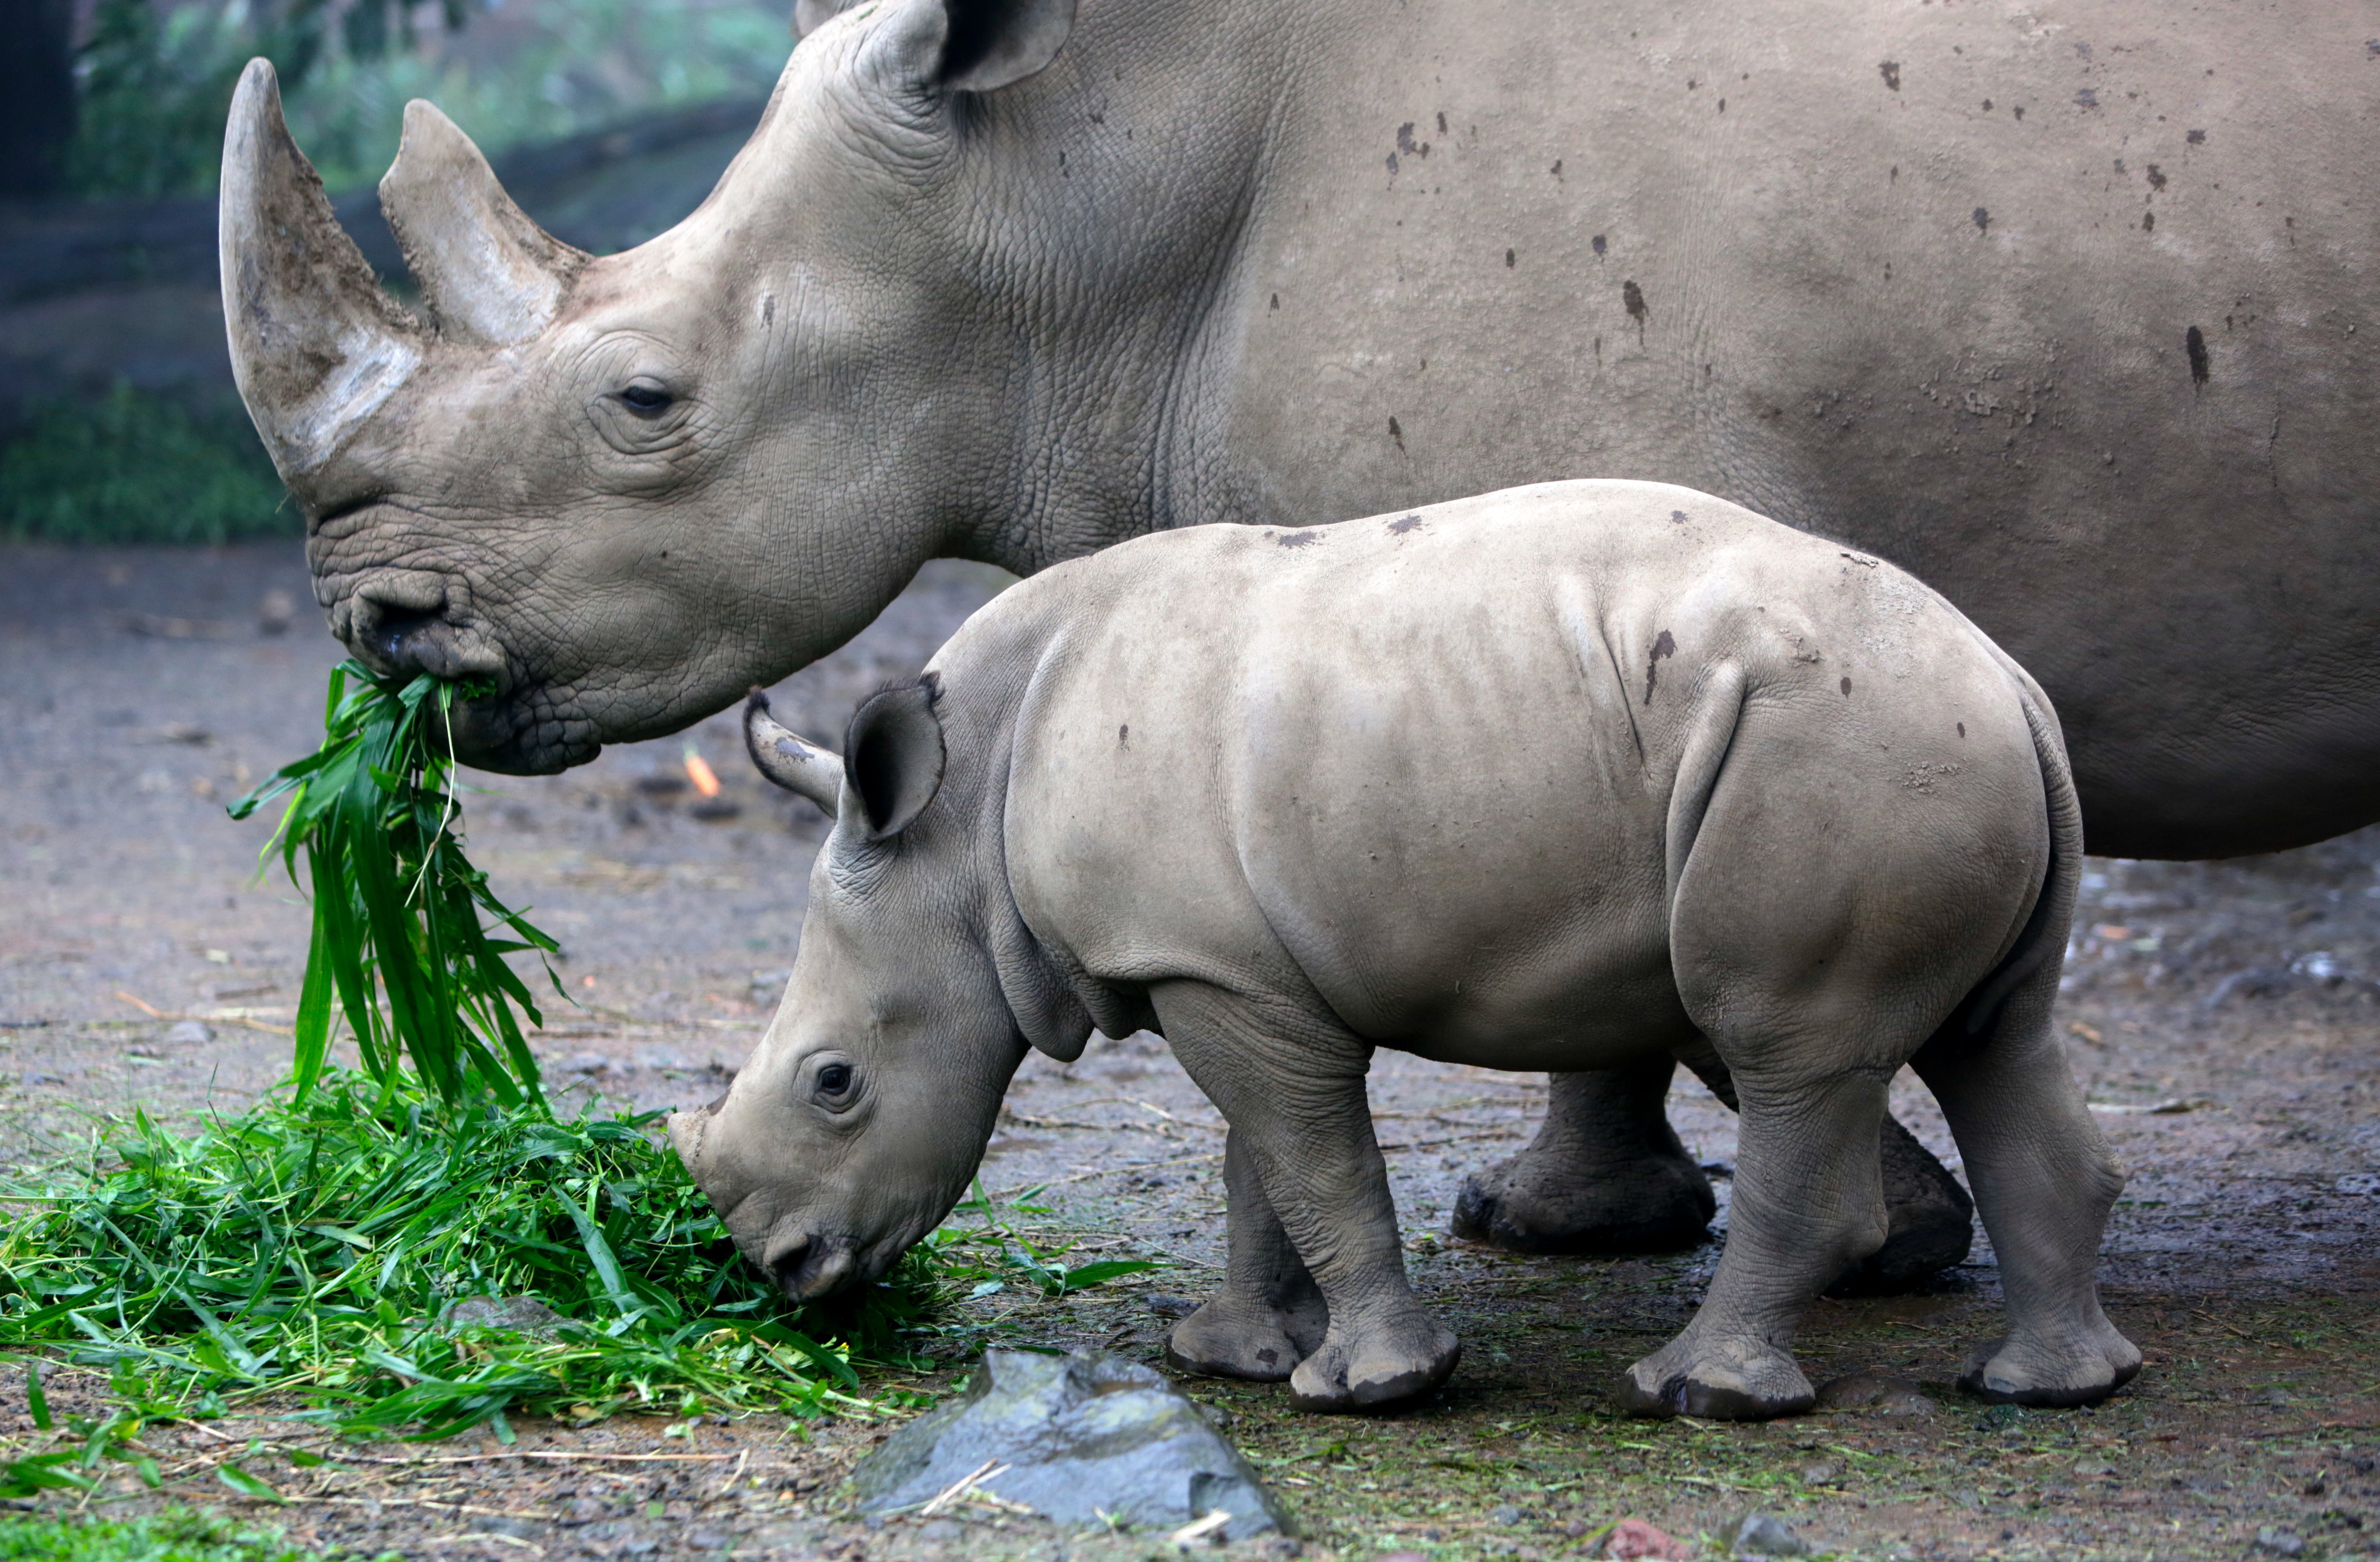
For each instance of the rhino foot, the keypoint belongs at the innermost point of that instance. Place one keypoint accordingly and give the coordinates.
(1539, 1204)
(1376, 1369)
(1734, 1380)
(1932, 1221)
(2053, 1374)
(1235, 1336)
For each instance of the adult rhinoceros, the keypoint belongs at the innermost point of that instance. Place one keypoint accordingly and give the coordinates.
(2057, 307)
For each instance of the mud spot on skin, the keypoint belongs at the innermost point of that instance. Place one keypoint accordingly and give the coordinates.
(1556, 169)
(2197, 138)
(1403, 524)
(1847, 689)
(1983, 220)
(1662, 646)
(1296, 539)
(2087, 98)
(1633, 297)
(1681, 515)
(2148, 222)
(2193, 342)
(1890, 71)
(2156, 176)
(1397, 433)
(1123, 734)
(1509, 259)
(1963, 729)
(1276, 301)
(1407, 144)
(1599, 245)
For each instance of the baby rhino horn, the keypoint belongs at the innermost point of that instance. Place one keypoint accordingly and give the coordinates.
(790, 760)
(487, 273)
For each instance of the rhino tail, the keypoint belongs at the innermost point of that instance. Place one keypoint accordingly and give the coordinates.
(1699, 766)
(2044, 930)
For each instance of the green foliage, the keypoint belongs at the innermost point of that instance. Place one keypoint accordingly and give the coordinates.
(319, 1247)
(396, 904)
(156, 80)
(137, 468)
(178, 1535)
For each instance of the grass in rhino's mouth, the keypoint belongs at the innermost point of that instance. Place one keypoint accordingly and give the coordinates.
(431, 1246)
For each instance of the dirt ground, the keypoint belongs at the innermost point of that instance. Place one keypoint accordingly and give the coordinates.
(2224, 1018)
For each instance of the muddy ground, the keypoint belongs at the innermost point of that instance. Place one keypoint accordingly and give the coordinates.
(2222, 1016)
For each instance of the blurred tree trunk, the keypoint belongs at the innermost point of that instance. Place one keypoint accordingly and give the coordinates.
(37, 95)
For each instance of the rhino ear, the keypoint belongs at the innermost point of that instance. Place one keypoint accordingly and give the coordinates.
(789, 760)
(979, 45)
(892, 758)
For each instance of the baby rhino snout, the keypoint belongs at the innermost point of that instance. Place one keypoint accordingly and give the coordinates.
(806, 1267)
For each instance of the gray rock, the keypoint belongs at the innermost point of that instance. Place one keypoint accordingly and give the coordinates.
(1765, 1534)
(1166, 1305)
(521, 1314)
(189, 1033)
(2279, 1542)
(1083, 1439)
(1507, 1514)
(1876, 1396)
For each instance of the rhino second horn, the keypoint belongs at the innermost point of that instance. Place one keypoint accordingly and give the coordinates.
(316, 345)
(487, 273)
(788, 759)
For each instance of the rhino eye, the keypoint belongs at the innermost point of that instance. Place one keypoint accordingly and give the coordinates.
(834, 1080)
(645, 400)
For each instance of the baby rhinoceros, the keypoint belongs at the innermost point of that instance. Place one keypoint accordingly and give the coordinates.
(1555, 779)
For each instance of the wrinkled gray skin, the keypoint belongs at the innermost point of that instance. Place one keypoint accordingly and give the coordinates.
(1568, 776)
(2067, 309)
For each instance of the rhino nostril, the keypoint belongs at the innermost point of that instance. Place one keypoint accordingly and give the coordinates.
(392, 633)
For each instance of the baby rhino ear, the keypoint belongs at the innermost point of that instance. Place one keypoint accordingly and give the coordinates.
(892, 758)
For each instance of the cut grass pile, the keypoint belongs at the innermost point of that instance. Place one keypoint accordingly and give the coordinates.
(398, 1271)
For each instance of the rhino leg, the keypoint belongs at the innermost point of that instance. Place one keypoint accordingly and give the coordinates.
(1605, 1174)
(2045, 1179)
(1808, 1201)
(1290, 1083)
(1269, 1315)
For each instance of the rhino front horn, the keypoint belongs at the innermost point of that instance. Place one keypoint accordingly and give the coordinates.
(487, 273)
(316, 346)
(790, 760)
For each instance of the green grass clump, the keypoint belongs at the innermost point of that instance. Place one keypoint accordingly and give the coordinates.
(178, 1535)
(135, 468)
(320, 1249)
(398, 940)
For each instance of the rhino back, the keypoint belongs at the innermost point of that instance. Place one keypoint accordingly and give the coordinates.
(2057, 307)
(1419, 768)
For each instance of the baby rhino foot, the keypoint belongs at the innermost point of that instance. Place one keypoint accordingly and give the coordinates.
(2053, 1374)
(1237, 1336)
(1717, 1380)
(1537, 1203)
(1375, 1367)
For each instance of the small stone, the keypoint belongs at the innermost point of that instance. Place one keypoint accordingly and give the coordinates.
(519, 1315)
(1506, 1514)
(1822, 1473)
(2089, 1467)
(276, 611)
(1632, 1539)
(1083, 1439)
(1167, 1305)
(588, 1063)
(2279, 1542)
(1765, 1534)
(189, 1033)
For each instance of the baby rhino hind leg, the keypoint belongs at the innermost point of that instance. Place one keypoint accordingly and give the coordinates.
(1826, 922)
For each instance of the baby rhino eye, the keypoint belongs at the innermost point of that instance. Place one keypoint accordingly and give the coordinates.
(645, 400)
(835, 1079)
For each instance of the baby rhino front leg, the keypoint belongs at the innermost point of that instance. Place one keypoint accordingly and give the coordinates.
(1290, 1083)
(1269, 1315)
